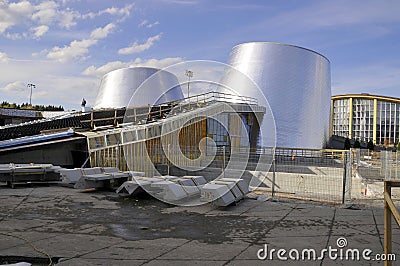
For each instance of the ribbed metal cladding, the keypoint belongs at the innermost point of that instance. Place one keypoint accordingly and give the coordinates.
(117, 88)
(295, 81)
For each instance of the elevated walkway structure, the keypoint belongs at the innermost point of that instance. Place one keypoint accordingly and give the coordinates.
(108, 136)
(140, 144)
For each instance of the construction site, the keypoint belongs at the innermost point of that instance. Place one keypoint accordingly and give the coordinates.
(151, 177)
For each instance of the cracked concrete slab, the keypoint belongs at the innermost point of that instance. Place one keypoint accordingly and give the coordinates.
(103, 228)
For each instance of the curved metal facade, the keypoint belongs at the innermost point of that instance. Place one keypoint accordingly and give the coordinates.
(296, 83)
(119, 88)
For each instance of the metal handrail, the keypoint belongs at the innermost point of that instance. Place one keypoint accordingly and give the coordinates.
(200, 99)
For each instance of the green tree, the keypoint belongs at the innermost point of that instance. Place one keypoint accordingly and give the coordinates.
(398, 146)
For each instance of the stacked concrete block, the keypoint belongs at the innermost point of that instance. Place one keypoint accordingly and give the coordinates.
(93, 178)
(70, 176)
(198, 180)
(168, 188)
(171, 191)
(189, 187)
(224, 191)
(134, 187)
(218, 194)
(23, 173)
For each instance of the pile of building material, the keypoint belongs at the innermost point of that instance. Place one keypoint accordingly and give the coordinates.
(28, 173)
(221, 192)
(94, 178)
(168, 188)
(224, 191)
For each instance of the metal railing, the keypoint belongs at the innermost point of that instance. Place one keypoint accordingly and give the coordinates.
(389, 212)
(148, 113)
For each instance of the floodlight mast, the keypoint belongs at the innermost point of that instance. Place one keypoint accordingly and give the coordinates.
(30, 85)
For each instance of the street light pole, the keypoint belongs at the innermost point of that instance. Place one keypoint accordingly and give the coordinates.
(189, 74)
(30, 85)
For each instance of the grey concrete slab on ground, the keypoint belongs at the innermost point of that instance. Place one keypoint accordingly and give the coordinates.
(100, 262)
(141, 249)
(103, 228)
(196, 250)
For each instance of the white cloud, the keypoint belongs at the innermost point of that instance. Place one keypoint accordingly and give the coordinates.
(145, 23)
(110, 66)
(56, 84)
(46, 12)
(67, 18)
(137, 48)
(123, 11)
(13, 36)
(14, 87)
(4, 57)
(100, 71)
(13, 13)
(22, 8)
(78, 49)
(75, 50)
(101, 33)
(153, 24)
(40, 31)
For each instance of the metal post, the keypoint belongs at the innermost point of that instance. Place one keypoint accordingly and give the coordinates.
(387, 224)
(168, 159)
(91, 120)
(223, 160)
(396, 165)
(273, 173)
(345, 160)
(30, 85)
(189, 74)
(134, 113)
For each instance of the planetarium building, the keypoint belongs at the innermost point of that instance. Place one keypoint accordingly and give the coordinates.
(119, 88)
(296, 84)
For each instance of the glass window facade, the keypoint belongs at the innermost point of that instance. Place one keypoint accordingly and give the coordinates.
(217, 129)
(341, 114)
(223, 127)
(362, 120)
(387, 123)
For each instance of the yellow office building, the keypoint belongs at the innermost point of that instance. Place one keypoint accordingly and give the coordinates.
(366, 117)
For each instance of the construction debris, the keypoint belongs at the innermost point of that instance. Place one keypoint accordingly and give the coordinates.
(94, 178)
(221, 192)
(13, 174)
(224, 191)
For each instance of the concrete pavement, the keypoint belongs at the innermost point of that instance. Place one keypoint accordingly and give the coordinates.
(103, 228)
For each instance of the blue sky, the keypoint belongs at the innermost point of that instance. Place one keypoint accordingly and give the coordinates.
(64, 47)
